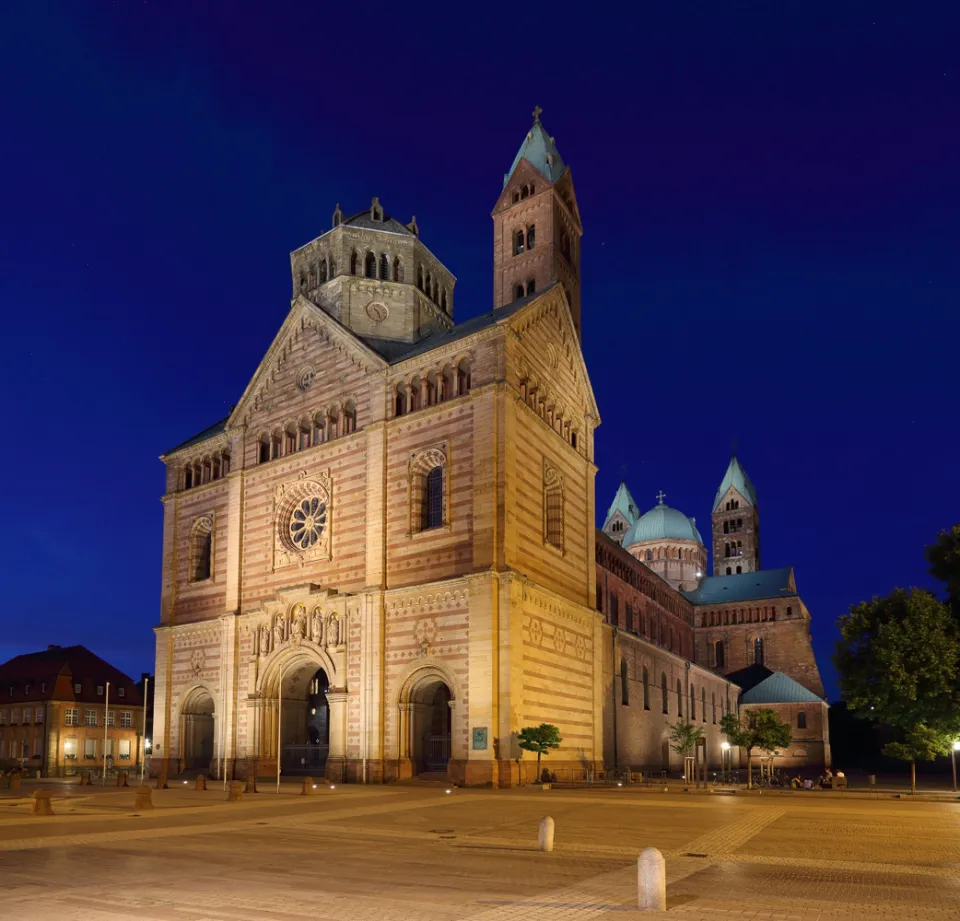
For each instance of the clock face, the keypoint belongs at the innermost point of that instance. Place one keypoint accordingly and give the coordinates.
(377, 312)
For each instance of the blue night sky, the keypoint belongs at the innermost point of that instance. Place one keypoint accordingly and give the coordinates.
(769, 197)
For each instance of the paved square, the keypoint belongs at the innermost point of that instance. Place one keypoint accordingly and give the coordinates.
(406, 853)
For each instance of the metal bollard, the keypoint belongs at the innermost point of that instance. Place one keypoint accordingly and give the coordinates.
(651, 880)
(14, 781)
(545, 838)
(41, 803)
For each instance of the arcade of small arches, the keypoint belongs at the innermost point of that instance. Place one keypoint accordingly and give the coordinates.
(524, 192)
(326, 425)
(524, 239)
(533, 396)
(732, 616)
(692, 554)
(205, 469)
(432, 387)
(521, 290)
(719, 649)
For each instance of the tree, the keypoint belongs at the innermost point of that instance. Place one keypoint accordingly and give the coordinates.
(761, 729)
(897, 660)
(920, 743)
(943, 555)
(539, 739)
(683, 736)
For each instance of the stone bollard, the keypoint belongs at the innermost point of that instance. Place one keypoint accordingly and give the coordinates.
(308, 787)
(545, 838)
(85, 780)
(651, 880)
(122, 779)
(41, 803)
(143, 799)
(201, 782)
(235, 791)
(872, 780)
(251, 783)
(14, 781)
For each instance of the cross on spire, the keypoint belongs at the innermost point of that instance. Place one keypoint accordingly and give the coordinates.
(536, 113)
(661, 496)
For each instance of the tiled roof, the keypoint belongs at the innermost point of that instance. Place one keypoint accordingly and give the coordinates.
(736, 477)
(779, 688)
(389, 224)
(76, 663)
(208, 432)
(540, 151)
(623, 503)
(747, 586)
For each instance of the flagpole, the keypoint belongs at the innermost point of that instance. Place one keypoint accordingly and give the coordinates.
(106, 719)
(143, 738)
(279, 724)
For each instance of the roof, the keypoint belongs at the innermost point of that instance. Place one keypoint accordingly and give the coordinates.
(778, 688)
(623, 503)
(747, 586)
(539, 150)
(215, 429)
(736, 477)
(40, 671)
(364, 220)
(663, 523)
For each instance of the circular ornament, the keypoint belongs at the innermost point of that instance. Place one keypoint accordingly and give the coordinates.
(377, 312)
(305, 377)
(307, 522)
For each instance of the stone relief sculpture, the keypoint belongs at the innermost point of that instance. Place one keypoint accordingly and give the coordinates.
(299, 628)
(333, 631)
(264, 639)
(278, 631)
(317, 626)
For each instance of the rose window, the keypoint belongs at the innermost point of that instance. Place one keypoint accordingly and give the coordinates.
(307, 523)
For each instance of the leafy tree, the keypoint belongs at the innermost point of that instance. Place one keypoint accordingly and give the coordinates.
(683, 737)
(539, 739)
(761, 729)
(897, 660)
(920, 743)
(944, 558)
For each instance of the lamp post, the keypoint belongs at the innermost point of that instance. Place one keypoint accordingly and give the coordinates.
(953, 763)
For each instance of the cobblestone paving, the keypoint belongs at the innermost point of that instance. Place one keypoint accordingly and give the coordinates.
(399, 854)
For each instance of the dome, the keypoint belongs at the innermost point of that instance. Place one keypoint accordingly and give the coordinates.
(663, 523)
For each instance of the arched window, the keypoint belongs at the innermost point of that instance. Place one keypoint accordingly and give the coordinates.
(349, 417)
(758, 650)
(354, 263)
(432, 512)
(726, 527)
(436, 292)
(263, 449)
(679, 697)
(565, 245)
(306, 433)
(649, 555)
(531, 286)
(333, 268)
(624, 684)
(333, 423)
(726, 549)
(728, 571)
(323, 271)
(663, 692)
(524, 192)
(713, 706)
(719, 657)
(428, 500)
(789, 612)
(518, 243)
(290, 439)
(385, 267)
(420, 277)
(370, 266)
(414, 402)
(693, 704)
(401, 404)
(703, 704)
(646, 689)
(802, 719)
(739, 570)
(397, 269)
(225, 463)
(553, 507)
(516, 197)
(463, 377)
(517, 292)
(276, 441)
(319, 429)
(443, 300)
(531, 235)
(188, 477)
(201, 549)
(739, 548)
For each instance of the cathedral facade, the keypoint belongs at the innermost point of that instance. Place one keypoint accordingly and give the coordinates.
(384, 562)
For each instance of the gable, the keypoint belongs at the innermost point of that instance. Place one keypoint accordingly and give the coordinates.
(307, 335)
(524, 174)
(548, 315)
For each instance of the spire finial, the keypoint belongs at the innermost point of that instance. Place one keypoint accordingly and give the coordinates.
(536, 113)
(661, 496)
(734, 444)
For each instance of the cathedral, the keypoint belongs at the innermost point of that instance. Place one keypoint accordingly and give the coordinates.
(385, 561)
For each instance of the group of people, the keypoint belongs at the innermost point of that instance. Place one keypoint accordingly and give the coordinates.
(826, 781)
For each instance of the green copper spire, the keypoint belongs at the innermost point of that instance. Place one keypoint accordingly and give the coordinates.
(736, 477)
(539, 150)
(624, 504)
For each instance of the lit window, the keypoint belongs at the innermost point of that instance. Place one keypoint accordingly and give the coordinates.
(70, 716)
(126, 719)
(124, 750)
(89, 717)
(89, 749)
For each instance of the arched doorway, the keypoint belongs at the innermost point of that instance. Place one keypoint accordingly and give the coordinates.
(299, 688)
(197, 731)
(429, 726)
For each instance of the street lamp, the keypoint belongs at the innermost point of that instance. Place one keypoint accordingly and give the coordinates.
(953, 763)
(725, 748)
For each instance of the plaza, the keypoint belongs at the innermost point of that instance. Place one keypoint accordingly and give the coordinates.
(399, 853)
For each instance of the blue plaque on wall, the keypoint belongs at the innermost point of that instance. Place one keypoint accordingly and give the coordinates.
(479, 738)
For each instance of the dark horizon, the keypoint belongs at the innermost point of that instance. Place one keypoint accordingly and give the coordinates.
(770, 255)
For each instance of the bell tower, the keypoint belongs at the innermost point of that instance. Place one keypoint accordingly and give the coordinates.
(536, 225)
(736, 524)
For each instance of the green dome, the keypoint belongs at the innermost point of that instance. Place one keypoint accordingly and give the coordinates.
(663, 523)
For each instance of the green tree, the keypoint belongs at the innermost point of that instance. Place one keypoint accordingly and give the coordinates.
(943, 555)
(761, 729)
(683, 737)
(897, 660)
(920, 743)
(539, 739)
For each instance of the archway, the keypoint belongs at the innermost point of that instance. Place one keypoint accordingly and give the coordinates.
(430, 725)
(197, 731)
(305, 719)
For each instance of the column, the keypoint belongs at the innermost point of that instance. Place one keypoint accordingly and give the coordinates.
(336, 756)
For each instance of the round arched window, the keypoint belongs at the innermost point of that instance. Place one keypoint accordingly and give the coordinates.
(307, 522)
